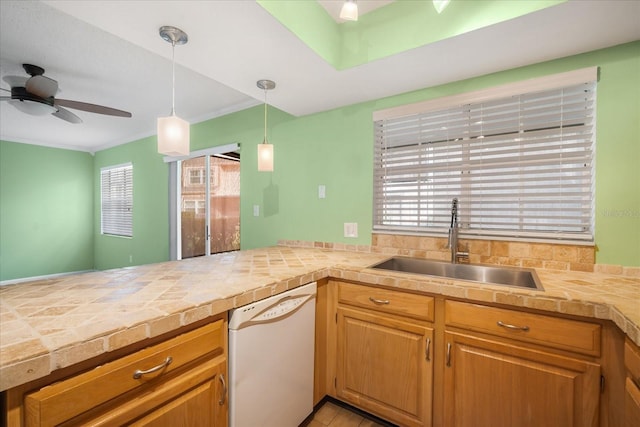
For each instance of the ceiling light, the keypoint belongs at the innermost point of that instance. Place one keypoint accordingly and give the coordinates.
(173, 132)
(349, 11)
(265, 150)
(440, 5)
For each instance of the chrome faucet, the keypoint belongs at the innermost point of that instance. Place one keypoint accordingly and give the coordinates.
(453, 234)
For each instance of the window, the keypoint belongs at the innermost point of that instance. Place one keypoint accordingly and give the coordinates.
(196, 176)
(520, 159)
(116, 184)
(195, 206)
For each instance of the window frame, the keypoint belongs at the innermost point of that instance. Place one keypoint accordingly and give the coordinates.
(429, 108)
(120, 224)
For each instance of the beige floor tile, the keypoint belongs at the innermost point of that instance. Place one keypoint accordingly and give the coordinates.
(346, 418)
(326, 413)
(333, 415)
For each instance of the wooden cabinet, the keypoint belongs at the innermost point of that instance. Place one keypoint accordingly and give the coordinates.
(178, 382)
(492, 383)
(384, 361)
(504, 382)
(632, 384)
(418, 360)
(202, 406)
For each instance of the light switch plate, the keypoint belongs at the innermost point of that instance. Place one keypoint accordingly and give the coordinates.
(322, 191)
(350, 229)
(256, 210)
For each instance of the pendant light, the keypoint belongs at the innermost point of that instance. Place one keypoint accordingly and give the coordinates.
(265, 150)
(173, 132)
(349, 11)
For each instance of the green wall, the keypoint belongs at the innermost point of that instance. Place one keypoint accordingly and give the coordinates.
(332, 148)
(150, 240)
(46, 211)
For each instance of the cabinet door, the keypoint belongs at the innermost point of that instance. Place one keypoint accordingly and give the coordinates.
(632, 384)
(632, 404)
(490, 383)
(384, 366)
(202, 406)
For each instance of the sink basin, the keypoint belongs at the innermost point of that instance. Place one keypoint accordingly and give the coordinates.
(509, 276)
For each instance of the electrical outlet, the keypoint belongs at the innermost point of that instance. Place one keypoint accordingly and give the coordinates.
(350, 229)
(256, 210)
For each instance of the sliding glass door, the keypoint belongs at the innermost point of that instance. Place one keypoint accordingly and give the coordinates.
(209, 205)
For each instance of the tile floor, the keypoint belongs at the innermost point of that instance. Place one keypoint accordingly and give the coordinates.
(332, 415)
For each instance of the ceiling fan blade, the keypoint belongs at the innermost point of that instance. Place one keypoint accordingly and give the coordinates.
(67, 115)
(92, 108)
(42, 86)
(15, 81)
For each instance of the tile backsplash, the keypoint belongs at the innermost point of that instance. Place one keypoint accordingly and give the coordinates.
(495, 252)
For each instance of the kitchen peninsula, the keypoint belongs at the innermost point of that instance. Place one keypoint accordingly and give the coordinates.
(53, 325)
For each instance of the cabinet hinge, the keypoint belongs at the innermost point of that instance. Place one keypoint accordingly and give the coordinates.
(601, 383)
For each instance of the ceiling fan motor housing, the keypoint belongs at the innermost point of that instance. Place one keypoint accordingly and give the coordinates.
(21, 94)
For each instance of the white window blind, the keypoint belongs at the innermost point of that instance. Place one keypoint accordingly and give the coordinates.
(116, 184)
(521, 166)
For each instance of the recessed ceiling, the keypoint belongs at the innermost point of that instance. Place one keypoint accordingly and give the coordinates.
(110, 53)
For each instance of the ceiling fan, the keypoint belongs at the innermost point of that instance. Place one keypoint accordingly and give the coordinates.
(35, 95)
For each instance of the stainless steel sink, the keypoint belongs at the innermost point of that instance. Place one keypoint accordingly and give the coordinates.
(509, 276)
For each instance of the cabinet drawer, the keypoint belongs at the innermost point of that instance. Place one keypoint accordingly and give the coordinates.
(387, 300)
(66, 399)
(564, 334)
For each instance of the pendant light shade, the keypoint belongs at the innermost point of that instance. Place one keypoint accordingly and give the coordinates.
(173, 136)
(349, 11)
(265, 157)
(173, 132)
(265, 150)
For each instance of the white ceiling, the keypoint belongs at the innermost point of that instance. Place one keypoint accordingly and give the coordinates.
(110, 53)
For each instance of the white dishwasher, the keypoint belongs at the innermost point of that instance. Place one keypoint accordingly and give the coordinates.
(271, 352)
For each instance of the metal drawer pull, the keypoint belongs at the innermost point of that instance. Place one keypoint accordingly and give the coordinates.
(379, 301)
(448, 354)
(224, 390)
(508, 326)
(138, 373)
(427, 351)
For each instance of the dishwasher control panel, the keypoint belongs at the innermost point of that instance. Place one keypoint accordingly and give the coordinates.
(280, 309)
(273, 308)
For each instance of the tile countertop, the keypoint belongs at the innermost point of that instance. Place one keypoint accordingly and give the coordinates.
(51, 324)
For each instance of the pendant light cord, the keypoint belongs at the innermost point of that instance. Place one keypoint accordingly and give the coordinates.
(265, 117)
(173, 78)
